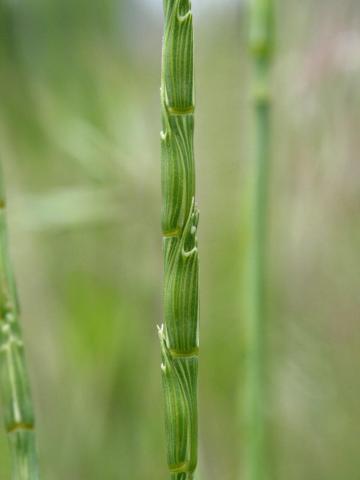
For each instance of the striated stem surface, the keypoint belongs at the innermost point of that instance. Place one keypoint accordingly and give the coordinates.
(179, 333)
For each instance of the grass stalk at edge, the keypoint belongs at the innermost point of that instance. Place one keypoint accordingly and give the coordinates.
(14, 381)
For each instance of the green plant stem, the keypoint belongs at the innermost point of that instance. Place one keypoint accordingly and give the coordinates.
(179, 334)
(14, 381)
(261, 48)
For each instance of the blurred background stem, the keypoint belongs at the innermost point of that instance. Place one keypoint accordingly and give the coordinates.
(261, 46)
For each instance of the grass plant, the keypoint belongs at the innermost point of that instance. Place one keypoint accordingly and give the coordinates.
(261, 45)
(14, 381)
(179, 333)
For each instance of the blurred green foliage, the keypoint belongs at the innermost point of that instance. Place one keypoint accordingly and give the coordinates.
(79, 137)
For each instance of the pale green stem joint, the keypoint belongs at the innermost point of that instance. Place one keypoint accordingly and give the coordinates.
(14, 382)
(179, 334)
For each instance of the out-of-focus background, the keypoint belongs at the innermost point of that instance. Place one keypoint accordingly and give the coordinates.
(79, 140)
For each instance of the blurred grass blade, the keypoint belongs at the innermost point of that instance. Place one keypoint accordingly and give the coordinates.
(179, 334)
(14, 381)
(67, 209)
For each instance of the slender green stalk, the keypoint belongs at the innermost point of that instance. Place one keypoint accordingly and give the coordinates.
(261, 47)
(179, 334)
(14, 382)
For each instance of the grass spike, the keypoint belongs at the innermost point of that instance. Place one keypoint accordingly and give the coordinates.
(14, 382)
(180, 216)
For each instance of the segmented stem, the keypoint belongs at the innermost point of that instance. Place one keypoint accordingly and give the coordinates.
(179, 334)
(14, 381)
(261, 40)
